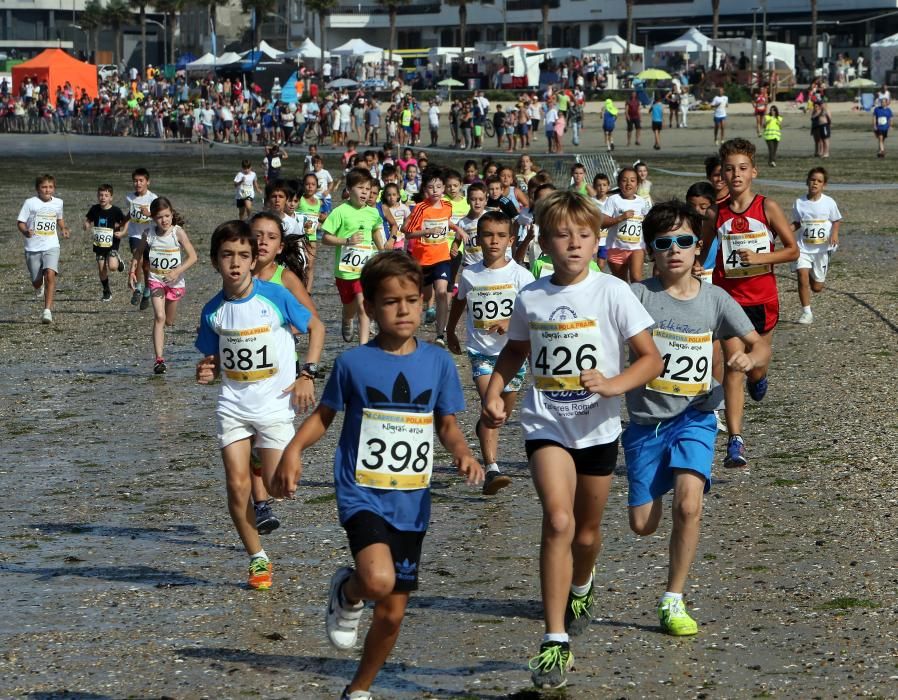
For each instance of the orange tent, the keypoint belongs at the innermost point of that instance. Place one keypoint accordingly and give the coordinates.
(56, 67)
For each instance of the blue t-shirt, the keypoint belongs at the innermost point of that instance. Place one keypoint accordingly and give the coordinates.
(423, 381)
(657, 112)
(883, 117)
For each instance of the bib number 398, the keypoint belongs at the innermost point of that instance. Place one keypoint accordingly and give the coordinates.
(561, 351)
(395, 450)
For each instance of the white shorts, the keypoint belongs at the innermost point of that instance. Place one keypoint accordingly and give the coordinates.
(40, 260)
(817, 263)
(272, 435)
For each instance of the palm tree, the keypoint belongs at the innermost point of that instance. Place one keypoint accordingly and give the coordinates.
(212, 6)
(715, 27)
(262, 8)
(322, 8)
(172, 11)
(629, 26)
(93, 20)
(392, 7)
(116, 15)
(141, 6)
(544, 8)
(814, 38)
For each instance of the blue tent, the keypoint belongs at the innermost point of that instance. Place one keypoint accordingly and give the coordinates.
(288, 91)
(184, 59)
(250, 60)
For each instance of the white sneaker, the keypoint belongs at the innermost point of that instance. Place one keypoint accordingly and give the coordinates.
(47, 316)
(342, 624)
(356, 695)
(806, 318)
(40, 292)
(721, 423)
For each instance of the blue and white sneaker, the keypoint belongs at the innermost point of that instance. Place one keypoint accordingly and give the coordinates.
(758, 390)
(735, 453)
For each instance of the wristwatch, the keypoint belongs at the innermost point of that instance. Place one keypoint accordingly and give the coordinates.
(309, 369)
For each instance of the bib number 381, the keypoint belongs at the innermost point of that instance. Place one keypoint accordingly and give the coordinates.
(561, 351)
(246, 355)
(395, 450)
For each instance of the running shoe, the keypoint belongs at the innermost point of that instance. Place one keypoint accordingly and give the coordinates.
(107, 295)
(356, 695)
(266, 521)
(757, 390)
(259, 574)
(735, 453)
(144, 302)
(441, 341)
(806, 318)
(549, 668)
(342, 623)
(136, 296)
(674, 618)
(347, 328)
(493, 482)
(159, 366)
(430, 315)
(721, 423)
(47, 316)
(39, 293)
(578, 613)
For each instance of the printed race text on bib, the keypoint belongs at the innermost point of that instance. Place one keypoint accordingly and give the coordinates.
(246, 191)
(561, 350)
(309, 224)
(395, 450)
(630, 230)
(103, 237)
(490, 304)
(45, 224)
(353, 258)
(815, 231)
(731, 243)
(687, 363)
(245, 354)
(435, 238)
(137, 214)
(275, 163)
(164, 259)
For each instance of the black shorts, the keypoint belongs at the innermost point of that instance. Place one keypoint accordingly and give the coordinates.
(103, 253)
(657, 126)
(440, 271)
(763, 317)
(824, 131)
(596, 460)
(366, 528)
(134, 242)
(633, 124)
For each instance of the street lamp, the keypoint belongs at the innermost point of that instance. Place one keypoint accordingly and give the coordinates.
(164, 25)
(86, 37)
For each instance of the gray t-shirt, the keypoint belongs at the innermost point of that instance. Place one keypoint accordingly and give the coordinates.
(683, 332)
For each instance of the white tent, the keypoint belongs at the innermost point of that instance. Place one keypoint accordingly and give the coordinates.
(355, 47)
(204, 62)
(269, 50)
(883, 57)
(557, 54)
(227, 58)
(779, 50)
(307, 49)
(612, 44)
(692, 41)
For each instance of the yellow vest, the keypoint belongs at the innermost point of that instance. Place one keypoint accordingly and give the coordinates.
(772, 128)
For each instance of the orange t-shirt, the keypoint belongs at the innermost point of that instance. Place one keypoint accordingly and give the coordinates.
(432, 248)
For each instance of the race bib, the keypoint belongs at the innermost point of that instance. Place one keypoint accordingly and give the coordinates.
(309, 223)
(45, 224)
(246, 191)
(706, 276)
(815, 231)
(103, 237)
(561, 350)
(882, 121)
(687, 363)
(603, 237)
(630, 230)
(164, 259)
(395, 450)
(435, 238)
(491, 304)
(730, 243)
(353, 258)
(473, 245)
(244, 354)
(137, 214)
(398, 217)
(275, 163)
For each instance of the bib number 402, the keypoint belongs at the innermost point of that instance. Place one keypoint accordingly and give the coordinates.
(584, 358)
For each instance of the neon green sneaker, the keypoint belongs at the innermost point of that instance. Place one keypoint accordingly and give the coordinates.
(674, 618)
(578, 613)
(549, 668)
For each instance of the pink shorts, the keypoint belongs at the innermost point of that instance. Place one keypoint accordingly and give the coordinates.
(348, 289)
(171, 293)
(619, 256)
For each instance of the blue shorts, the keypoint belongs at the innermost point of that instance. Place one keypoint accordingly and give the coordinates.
(483, 366)
(654, 451)
(718, 120)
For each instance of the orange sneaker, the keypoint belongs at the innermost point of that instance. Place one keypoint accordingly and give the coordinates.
(259, 574)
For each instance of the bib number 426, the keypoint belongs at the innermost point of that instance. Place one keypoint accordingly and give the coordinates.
(559, 365)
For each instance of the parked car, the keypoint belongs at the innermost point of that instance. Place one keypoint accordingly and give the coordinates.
(106, 71)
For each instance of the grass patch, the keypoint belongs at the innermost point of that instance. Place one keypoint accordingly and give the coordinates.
(786, 482)
(324, 498)
(846, 603)
(709, 557)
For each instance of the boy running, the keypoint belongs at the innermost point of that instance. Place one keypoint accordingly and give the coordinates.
(669, 443)
(746, 227)
(818, 218)
(487, 290)
(395, 391)
(39, 221)
(140, 223)
(246, 185)
(105, 221)
(882, 122)
(575, 325)
(245, 336)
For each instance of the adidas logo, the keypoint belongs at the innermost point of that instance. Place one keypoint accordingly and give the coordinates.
(401, 396)
(406, 570)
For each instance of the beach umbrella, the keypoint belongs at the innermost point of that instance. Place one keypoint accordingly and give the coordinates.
(450, 83)
(653, 74)
(861, 83)
(342, 83)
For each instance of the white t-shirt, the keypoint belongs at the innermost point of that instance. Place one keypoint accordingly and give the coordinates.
(244, 185)
(41, 218)
(433, 114)
(324, 182)
(165, 254)
(816, 219)
(719, 104)
(595, 318)
(490, 296)
(627, 235)
(139, 223)
(345, 111)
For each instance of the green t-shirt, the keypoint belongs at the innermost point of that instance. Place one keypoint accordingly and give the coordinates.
(307, 217)
(543, 267)
(345, 221)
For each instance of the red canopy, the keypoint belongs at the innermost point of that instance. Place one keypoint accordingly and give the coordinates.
(57, 68)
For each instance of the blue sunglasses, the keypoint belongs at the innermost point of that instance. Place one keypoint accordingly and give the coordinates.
(686, 240)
